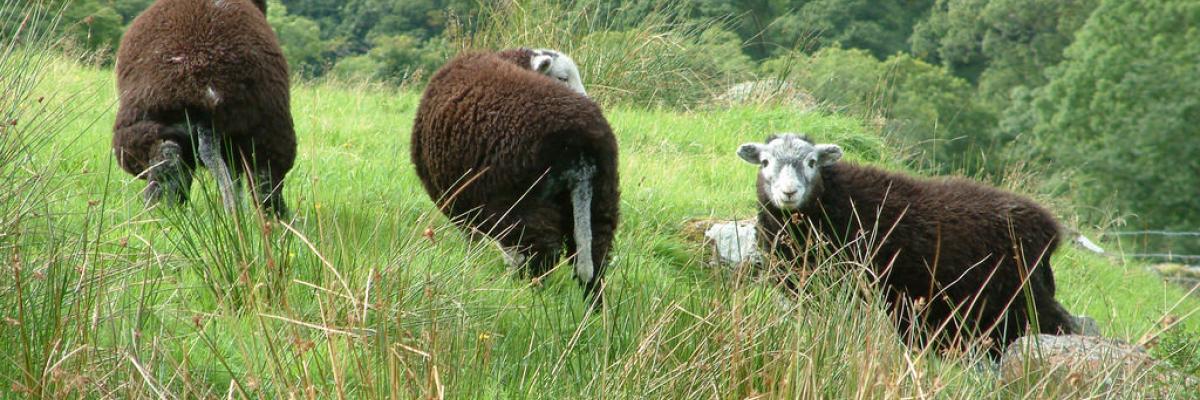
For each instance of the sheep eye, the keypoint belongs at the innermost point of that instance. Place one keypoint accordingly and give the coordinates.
(765, 163)
(562, 79)
(812, 163)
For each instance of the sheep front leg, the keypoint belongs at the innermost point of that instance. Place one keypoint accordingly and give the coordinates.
(211, 157)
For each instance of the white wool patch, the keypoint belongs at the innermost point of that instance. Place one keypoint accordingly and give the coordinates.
(213, 97)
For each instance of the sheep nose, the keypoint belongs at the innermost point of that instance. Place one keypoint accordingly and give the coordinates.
(789, 192)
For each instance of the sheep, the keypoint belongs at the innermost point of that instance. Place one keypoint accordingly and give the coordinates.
(206, 77)
(525, 159)
(960, 250)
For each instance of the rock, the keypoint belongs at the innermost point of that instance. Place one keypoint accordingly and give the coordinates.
(1085, 325)
(768, 91)
(1173, 270)
(1187, 276)
(735, 242)
(732, 242)
(1075, 366)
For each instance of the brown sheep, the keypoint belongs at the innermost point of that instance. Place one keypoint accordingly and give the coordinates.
(964, 249)
(527, 160)
(206, 77)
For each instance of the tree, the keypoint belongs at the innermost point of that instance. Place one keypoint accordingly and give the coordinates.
(299, 37)
(921, 105)
(91, 24)
(999, 44)
(1122, 109)
(129, 9)
(881, 27)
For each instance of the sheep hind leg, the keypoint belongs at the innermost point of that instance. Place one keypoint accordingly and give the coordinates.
(210, 155)
(169, 177)
(268, 190)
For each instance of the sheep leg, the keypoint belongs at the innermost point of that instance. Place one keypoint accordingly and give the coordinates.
(268, 189)
(211, 157)
(168, 176)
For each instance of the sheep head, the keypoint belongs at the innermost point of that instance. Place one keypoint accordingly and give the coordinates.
(790, 165)
(558, 66)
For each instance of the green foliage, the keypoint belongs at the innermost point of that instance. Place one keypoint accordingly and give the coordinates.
(1122, 112)
(1181, 348)
(94, 25)
(299, 37)
(1001, 44)
(656, 62)
(129, 9)
(926, 108)
(881, 27)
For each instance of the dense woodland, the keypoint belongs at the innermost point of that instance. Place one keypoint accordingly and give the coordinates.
(1096, 98)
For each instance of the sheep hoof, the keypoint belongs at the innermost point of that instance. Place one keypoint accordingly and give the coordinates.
(593, 295)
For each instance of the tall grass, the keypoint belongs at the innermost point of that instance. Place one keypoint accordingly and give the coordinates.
(49, 285)
(370, 293)
(626, 55)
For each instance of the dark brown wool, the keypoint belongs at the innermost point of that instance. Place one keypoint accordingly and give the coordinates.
(949, 242)
(491, 142)
(216, 63)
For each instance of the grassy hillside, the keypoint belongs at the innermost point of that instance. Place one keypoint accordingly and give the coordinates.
(353, 299)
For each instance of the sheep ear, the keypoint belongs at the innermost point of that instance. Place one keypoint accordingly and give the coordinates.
(751, 152)
(827, 154)
(541, 63)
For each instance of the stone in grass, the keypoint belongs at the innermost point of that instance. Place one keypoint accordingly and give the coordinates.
(731, 242)
(1075, 366)
(1085, 325)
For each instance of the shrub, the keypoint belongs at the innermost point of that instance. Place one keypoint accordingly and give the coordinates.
(654, 61)
(918, 104)
(1122, 111)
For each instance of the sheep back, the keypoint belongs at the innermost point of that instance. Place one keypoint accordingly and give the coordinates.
(487, 130)
(207, 61)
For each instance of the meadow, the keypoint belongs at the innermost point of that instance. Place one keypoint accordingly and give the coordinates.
(368, 292)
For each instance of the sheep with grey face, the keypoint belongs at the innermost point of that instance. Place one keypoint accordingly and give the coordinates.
(508, 144)
(206, 77)
(974, 257)
(551, 63)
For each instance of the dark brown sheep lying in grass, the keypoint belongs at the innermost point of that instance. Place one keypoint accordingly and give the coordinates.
(975, 258)
(507, 143)
(206, 77)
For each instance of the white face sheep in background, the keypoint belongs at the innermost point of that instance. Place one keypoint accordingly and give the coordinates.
(789, 166)
(557, 65)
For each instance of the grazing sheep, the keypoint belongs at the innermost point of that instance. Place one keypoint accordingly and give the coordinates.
(963, 249)
(548, 62)
(207, 77)
(530, 161)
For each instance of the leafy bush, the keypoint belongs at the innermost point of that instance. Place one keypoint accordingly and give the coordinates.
(1181, 348)
(921, 105)
(1001, 45)
(299, 37)
(1122, 111)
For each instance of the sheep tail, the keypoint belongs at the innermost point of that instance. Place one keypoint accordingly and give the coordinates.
(580, 177)
(211, 157)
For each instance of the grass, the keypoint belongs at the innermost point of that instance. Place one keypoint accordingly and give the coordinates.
(368, 293)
